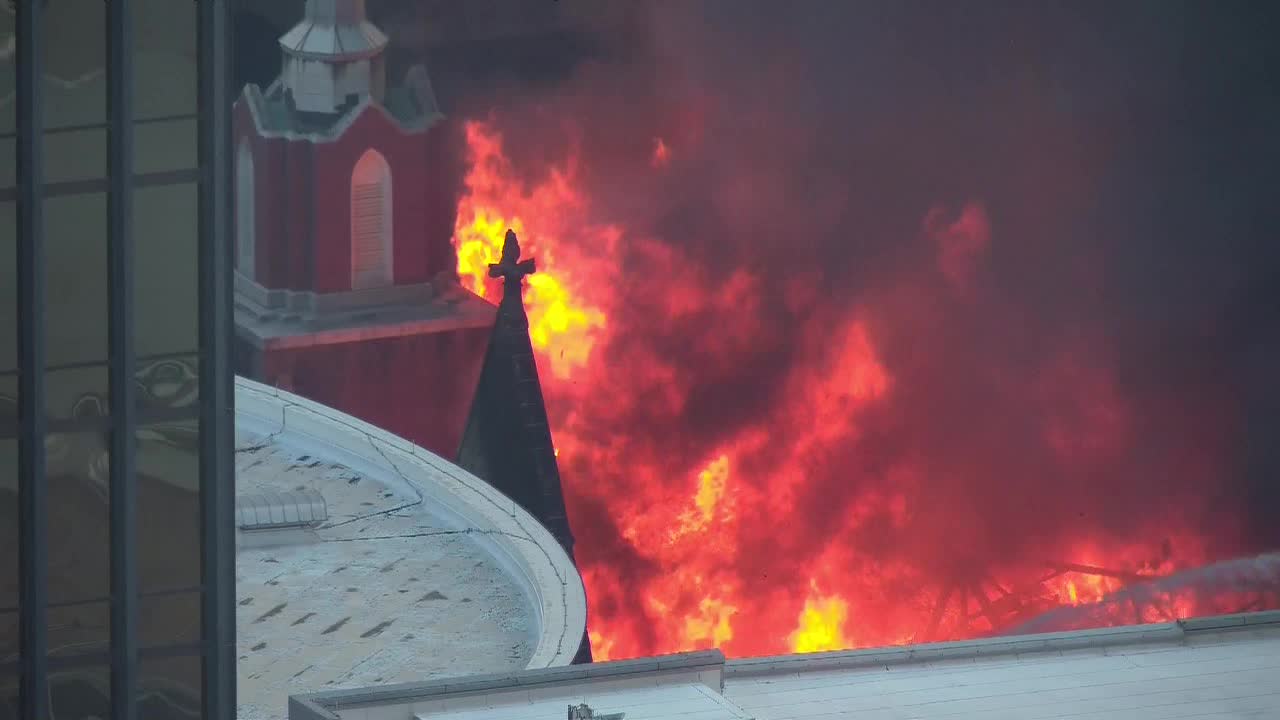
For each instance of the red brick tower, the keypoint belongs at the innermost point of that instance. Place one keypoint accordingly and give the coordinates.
(346, 194)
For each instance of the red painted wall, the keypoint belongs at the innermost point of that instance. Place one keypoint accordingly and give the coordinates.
(282, 204)
(424, 204)
(292, 260)
(303, 209)
(419, 387)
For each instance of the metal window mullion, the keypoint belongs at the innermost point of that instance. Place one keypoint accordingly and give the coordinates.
(217, 445)
(33, 519)
(123, 485)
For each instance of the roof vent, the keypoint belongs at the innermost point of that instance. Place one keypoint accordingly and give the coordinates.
(276, 510)
(584, 712)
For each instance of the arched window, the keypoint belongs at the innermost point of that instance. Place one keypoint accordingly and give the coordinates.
(371, 222)
(246, 242)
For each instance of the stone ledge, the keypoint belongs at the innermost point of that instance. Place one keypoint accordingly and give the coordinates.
(322, 706)
(1009, 645)
(1230, 622)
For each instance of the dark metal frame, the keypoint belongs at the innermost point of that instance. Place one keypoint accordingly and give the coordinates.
(214, 355)
(33, 497)
(123, 494)
(217, 431)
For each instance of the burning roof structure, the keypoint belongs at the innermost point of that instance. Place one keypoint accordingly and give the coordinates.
(832, 361)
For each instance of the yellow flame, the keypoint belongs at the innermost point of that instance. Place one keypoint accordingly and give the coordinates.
(601, 647)
(711, 485)
(713, 622)
(559, 326)
(479, 243)
(713, 482)
(1079, 588)
(553, 316)
(821, 625)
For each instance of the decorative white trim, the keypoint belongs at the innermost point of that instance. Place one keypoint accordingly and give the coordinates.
(371, 204)
(518, 542)
(254, 97)
(246, 206)
(261, 300)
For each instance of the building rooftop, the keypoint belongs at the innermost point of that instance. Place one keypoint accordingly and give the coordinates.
(380, 592)
(1202, 668)
(1220, 667)
(417, 569)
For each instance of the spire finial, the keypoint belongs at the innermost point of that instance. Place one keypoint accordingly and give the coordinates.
(512, 270)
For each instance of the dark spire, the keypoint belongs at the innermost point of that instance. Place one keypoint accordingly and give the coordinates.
(507, 441)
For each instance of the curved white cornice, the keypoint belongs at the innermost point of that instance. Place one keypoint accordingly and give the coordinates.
(518, 542)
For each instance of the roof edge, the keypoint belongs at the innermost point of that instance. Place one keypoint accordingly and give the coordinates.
(1230, 622)
(327, 705)
(1171, 632)
(322, 705)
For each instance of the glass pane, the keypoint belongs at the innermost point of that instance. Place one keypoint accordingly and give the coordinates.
(74, 58)
(165, 61)
(168, 506)
(169, 687)
(76, 257)
(8, 555)
(8, 409)
(165, 145)
(8, 406)
(8, 697)
(78, 517)
(168, 388)
(72, 155)
(165, 276)
(79, 629)
(7, 76)
(169, 619)
(77, 394)
(80, 692)
(8, 417)
(8, 158)
(8, 287)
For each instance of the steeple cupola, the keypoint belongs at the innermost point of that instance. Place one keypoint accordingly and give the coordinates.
(334, 57)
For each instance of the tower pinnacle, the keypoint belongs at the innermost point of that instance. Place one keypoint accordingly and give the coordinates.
(333, 57)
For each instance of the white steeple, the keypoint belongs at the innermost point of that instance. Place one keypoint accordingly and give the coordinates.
(335, 53)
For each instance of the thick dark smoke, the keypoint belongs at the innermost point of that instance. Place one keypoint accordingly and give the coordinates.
(1103, 357)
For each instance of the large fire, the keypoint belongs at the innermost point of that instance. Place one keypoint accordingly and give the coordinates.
(825, 514)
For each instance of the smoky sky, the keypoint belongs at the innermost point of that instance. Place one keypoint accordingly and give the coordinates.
(1125, 161)
(1127, 154)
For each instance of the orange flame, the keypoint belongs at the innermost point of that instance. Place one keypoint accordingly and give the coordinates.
(692, 520)
(561, 324)
(821, 625)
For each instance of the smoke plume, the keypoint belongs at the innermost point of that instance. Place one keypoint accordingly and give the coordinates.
(899, 296)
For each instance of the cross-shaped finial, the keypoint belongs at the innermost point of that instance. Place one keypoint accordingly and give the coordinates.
(510, 267)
